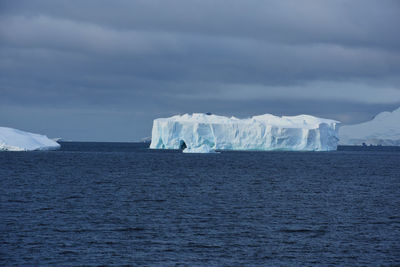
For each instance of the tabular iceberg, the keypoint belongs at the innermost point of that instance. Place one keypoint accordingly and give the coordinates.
(383, 130)
(16, 140)
(205, 133)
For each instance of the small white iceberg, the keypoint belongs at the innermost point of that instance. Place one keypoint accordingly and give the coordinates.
(200, 149)
(17, 140)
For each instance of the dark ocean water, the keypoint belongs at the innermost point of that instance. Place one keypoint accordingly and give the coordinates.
(123, 204)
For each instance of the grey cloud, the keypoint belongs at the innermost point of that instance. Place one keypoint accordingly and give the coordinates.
(350, 22)
(47, 32)
(136, 60)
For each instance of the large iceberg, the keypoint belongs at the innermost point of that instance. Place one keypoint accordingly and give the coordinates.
(205, 132)
(16, 140)
(384, 129)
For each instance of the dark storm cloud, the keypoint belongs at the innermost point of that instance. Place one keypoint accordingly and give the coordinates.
(131, 61)
(351, 22)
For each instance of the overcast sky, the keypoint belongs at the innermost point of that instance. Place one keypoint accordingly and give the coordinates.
(103, 70)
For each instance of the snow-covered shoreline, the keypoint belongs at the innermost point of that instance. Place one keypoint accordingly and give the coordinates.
(17, 140)
(383, 129)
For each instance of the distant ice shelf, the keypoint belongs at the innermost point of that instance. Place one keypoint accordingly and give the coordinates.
(204, 133)
(16, 140)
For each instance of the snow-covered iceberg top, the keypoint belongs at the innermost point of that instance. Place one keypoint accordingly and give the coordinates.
(16, 140)
(202, 132)
(384, 129)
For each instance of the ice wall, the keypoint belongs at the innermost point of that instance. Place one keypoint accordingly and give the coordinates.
(265, 132)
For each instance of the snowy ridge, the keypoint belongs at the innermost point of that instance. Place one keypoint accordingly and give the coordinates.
(384, 129)
(202, 132)
(16, 140)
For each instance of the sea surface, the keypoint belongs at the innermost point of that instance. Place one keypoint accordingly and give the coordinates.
(124, 204)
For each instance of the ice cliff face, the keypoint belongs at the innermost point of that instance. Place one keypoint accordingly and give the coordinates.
(204, 133)
(16, 140)
(384, 129)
